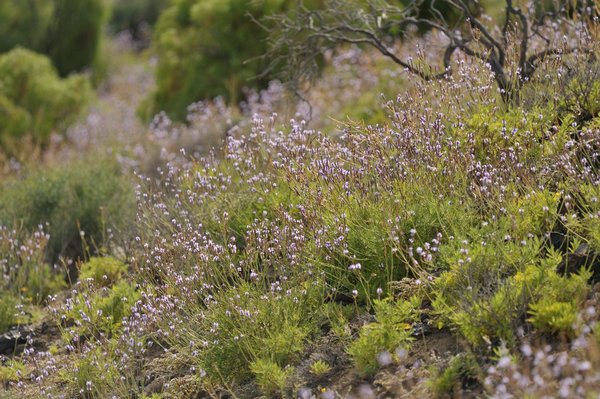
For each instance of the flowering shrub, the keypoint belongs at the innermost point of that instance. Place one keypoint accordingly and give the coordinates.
(25, 272)
(450, 223)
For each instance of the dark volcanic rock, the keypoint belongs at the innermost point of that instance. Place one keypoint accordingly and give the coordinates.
(11, 341)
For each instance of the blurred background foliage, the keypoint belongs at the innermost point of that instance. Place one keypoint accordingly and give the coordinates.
(210, 48)
(33, 99)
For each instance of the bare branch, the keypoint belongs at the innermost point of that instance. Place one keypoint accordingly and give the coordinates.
(305, 34)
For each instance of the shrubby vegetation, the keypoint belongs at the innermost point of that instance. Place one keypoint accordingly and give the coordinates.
(34, 100)
(67, 31)
(82, 204)
(74, 34)
(449, 248)
(204, 51)
(24, 23)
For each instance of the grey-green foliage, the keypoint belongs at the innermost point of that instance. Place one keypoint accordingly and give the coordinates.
(88, 196)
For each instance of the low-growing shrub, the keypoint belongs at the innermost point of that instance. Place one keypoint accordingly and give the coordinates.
(34, 100)
(11, 372)
(391, 331)
(270, 377)
(99, 312)
(244, 331)
(8, 311)
(104, 271)
(461, 372)
(25, 272)
(82, 203)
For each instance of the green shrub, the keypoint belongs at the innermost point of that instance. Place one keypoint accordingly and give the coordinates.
(244, 325)
(391, 332)
(68, 31)
(33, 99)
(80, 202)
(320, 368)
(208, 48)
(24, 23)
(74, 35)
(8, 310)
(99, 311)
(103, 271)
(461, 370)
(488, 296)
(270, 377)
(555, 307)
(15, 121)
(11, 371)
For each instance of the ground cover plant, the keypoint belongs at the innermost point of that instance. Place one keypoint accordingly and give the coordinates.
(440, 243)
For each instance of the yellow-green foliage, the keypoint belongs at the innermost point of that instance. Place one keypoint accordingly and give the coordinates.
(487, 295)
(103, 271)
(100, 311)
(391, 331)
(270, 377)
(8, 311)
(495, 126)
(209, 48)
(271, 330)
(9, 372)
(558, 301)
(319, 368)
(33, 99)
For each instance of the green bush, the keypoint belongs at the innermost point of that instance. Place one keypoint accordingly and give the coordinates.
(391, 331)
(68, 31)
(33, 99)
(100, 311)
(75, 33)
(8, 311)
(103, 271)
(208, 48)
(461, 370)
(80, 202)
(24, 23)
(269, 376)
